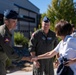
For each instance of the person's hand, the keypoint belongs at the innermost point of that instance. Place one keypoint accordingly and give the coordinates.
(36, 64)
(34, 59)
(27, 58)
(71, 61)
(56, 63)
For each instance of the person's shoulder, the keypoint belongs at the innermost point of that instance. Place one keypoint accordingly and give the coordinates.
(71, 42)
(71, 39)
(36, 32)
(2, 30)
(52, 33)
(2, 27)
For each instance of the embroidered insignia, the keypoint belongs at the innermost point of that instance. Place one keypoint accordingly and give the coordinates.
(49, 38)
(7, 40)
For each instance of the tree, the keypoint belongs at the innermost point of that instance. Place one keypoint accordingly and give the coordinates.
(61, 9)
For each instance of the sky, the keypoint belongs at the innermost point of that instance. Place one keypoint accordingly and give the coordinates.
(42, 4)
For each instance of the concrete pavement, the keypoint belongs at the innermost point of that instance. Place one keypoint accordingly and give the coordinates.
(20, 73)
(24, 73)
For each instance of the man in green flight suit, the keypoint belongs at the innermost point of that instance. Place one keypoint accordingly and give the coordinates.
(42, 41)
(6, 50)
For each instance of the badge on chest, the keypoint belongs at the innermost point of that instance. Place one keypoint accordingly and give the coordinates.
(6, 40)
(47, 38)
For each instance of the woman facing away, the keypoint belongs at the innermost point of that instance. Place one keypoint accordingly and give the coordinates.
(66, 48)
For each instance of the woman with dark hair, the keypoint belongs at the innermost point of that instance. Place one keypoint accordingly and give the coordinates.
(66, 49)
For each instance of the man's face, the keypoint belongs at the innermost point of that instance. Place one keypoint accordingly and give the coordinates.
(45, 26)
(11, 23)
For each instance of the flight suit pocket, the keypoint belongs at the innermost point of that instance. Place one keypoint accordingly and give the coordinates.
(3, 56)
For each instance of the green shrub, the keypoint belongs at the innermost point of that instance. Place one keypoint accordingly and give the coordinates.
(20, 39)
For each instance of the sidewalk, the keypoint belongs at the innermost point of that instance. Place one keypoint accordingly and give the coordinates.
(24, 73)
(20, 73)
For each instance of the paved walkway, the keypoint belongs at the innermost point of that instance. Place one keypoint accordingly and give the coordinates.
(24, 73)
(20, 73)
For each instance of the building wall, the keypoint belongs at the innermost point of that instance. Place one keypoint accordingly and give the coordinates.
(25, 25)
(4, 5)
(23, 7)
(26, 4)
(26, 8)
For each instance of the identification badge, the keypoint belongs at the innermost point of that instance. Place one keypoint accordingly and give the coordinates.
(49, 38)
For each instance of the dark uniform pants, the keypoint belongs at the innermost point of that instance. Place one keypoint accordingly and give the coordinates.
(46, 67)
(2, 68)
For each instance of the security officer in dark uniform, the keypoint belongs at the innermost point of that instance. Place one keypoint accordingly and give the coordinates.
(6, 50)
(42, 41)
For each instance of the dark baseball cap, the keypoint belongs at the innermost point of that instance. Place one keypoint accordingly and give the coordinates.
(10, 14)
(46, 19)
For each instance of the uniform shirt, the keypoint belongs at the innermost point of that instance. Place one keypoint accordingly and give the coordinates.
(5, 44)
(42, 43)
(7, 36)
(67, 48)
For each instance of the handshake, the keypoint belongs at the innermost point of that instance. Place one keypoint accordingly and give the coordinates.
(32, 59)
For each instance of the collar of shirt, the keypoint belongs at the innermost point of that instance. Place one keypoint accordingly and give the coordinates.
(45, 33)
(65, 39)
